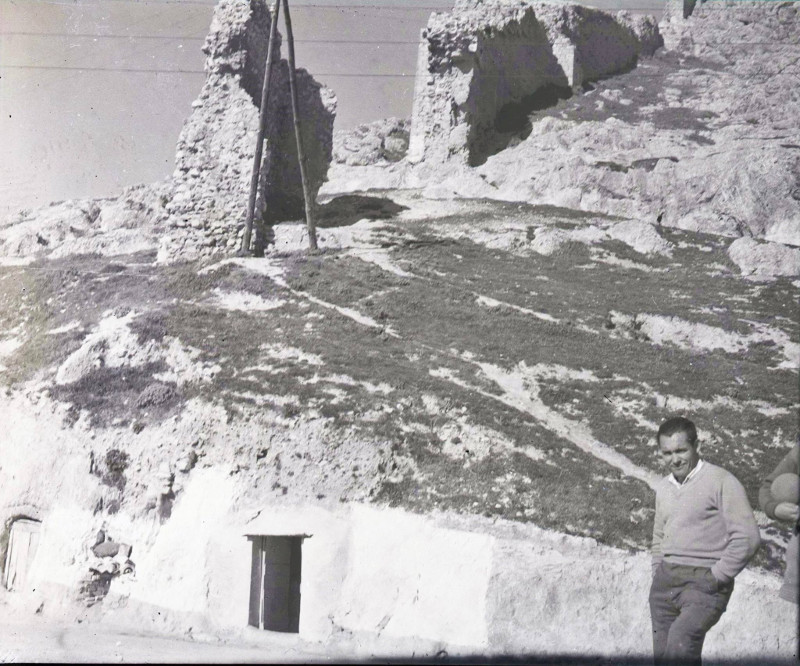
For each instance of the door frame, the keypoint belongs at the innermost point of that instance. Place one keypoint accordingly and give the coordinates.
(292, 563)
(14, 576)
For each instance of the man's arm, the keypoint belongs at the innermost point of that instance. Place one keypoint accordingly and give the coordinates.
(787, 465)
(743, 535)
(658, 535)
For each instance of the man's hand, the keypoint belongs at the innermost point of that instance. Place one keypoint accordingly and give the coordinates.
(787, 511)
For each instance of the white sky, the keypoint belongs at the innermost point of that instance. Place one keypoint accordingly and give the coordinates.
(93, 93)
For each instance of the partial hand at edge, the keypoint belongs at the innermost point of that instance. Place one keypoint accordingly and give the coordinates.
(787, 511)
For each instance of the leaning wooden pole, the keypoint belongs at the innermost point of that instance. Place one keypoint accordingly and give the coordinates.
(301, 156)
(262, 126)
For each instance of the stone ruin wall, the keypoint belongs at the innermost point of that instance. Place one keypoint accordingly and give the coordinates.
(488, 56)
(215, 150)
(686, 24)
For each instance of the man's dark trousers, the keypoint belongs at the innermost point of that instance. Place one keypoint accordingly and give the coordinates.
(685, 602)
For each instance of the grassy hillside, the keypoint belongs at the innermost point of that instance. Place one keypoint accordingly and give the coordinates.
(504, 382)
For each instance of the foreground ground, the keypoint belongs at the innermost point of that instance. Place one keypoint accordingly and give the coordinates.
(38, 640)
(34, 639)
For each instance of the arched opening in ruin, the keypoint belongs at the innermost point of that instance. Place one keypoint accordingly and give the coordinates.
(515, 116)
(513, 121)
(275, 582)
(22, 542)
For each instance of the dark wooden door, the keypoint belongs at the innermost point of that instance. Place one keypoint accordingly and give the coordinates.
(275, 583)
(295, 568)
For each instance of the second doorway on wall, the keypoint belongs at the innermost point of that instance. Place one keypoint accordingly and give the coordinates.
(23, 541)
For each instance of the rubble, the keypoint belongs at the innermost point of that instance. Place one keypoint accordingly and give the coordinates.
(382, 141)
(128, 223)
(108, 559)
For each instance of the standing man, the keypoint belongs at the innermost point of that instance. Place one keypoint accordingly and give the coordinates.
(788, 512)
(704, 535)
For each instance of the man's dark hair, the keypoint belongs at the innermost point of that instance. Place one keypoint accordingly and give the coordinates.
(677, 424)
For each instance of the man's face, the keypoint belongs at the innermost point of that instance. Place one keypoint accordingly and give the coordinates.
(678, 454)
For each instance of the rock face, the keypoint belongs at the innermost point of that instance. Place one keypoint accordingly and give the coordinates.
(215, 150)
(484, 66)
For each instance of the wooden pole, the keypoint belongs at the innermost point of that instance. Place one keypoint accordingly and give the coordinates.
(262, 125)
(301, 157)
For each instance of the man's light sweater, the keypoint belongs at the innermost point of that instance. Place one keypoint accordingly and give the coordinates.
(706, 522)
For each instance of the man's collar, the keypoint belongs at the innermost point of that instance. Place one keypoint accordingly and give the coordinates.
(696, 469)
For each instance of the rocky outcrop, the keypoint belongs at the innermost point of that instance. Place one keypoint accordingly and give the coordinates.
(704, 138)
(764, 259)
(214, 156)
(130, 222)
(484, 66)
(687, 24)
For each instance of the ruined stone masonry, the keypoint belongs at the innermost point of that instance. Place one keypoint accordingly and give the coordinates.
(214, 155)
(484, 66)
(687, 23)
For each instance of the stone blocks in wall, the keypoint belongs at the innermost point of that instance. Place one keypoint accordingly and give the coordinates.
(216, 147)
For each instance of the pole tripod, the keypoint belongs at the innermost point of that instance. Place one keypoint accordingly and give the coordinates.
(262, 125)
(262, 121)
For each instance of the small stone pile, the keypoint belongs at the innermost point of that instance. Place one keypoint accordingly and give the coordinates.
(214, 156)
(377, 142)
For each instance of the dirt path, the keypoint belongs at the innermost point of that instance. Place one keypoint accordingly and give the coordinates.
(36, 639)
